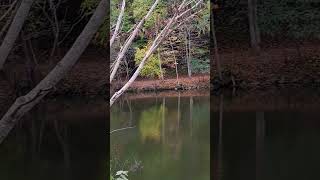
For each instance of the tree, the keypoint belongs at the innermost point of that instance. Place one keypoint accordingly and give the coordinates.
(125, 47)
(215, 46)
(25, 103)
(115, 33)
(292, 19)
(14, 30)
(188, 53)
(253, 25)
(175, 21)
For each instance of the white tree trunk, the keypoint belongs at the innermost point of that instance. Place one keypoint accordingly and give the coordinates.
(188, 53)
(129, 41)
(158, 51)
(14, 30)
(155, 44)
(25, 103)
(163, 34)
(115, 33)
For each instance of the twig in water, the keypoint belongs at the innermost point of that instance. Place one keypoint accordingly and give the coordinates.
(115, 130)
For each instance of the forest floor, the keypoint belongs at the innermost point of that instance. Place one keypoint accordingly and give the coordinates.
(282, 65)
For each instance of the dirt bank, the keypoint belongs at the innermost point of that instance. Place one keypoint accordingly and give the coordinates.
(184, 83)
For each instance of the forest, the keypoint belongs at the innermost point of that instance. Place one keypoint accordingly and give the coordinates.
(134, 60)
(267, 44)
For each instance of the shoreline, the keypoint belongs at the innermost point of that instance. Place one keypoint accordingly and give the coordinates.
(196, 82)
(277, 67)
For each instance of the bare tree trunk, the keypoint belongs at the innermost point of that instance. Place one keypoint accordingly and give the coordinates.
(129, 41)
(14, 30)
(158, 52)
(56, 28)
(215, 46)
(255, 19)
(29, 64)
(164, 33)
(175, 63)
(253, 25)
(23, 104)
(188, 54)
(155, 44)
(115, 33)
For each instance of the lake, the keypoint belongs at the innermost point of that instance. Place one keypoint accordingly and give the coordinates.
(61, 139)
(168, 136)
(266, 135)
(261, 135)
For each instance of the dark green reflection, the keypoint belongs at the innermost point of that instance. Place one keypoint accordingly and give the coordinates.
(63, 139)
(267, 136)
(171, 138)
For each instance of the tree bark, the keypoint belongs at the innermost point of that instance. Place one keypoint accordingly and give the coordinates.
(158, 52)
(25, 103)
(253, 25)
(175, 63)
(163, 34)
(115, 33)
(215, 46)
(14, 30)
(55, 29)
(129, 41)
(255, 19)
(188, 53)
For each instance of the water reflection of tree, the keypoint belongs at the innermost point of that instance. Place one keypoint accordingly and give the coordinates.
(260, 138)
(218, 167)
(260, 133)
(150, 123)
(29, 140)
(170, 133)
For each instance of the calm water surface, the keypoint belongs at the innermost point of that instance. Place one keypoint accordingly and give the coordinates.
(273, 136)
(170, 138)
(63, 139)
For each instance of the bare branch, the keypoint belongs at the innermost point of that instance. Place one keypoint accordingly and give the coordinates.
(14, 30)
(159, 38)
(9, 10)
(129, 41)
(121, 129)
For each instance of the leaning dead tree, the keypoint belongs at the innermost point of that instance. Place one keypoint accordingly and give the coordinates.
(25, 103)
(181, 16)
(114, 67)
(14, 30)
(115, 33)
